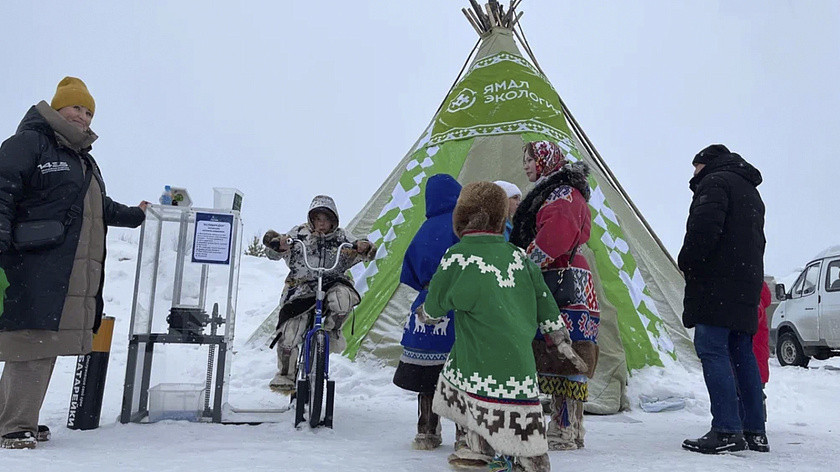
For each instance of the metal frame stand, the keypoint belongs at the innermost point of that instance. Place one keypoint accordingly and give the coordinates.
(187, 321)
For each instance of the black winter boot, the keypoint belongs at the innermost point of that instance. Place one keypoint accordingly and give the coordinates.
(757, 442)
(43, 434)
(18, 440)
(714, 442)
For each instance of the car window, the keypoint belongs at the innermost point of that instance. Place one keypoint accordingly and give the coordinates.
(832, 281)
(812, 278)
(796, 291)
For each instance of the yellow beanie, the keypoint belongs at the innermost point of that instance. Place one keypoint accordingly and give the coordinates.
(71, 92)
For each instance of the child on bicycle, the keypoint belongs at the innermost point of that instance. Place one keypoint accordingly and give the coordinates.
(322, 237)
(489, 383)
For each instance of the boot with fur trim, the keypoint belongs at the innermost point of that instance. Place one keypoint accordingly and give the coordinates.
(476, 455)
(428, 425)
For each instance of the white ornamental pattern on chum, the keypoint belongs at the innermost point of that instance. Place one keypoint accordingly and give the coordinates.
(503, 282)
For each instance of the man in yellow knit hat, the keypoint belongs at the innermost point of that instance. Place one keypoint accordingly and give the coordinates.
(54, 215)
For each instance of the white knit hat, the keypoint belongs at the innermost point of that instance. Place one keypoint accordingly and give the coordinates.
(510, 189)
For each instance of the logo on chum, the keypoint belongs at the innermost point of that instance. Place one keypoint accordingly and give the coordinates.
(497, 93)
(464, 100)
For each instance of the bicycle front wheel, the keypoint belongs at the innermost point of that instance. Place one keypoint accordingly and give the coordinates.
(316, 376)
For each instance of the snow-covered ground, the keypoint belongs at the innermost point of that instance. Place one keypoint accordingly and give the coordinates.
(374, 420)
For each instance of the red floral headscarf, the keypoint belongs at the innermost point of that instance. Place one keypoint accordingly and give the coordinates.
(548, 156)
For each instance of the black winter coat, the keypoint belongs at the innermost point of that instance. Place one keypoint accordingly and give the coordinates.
(39, 180)
(723, 253)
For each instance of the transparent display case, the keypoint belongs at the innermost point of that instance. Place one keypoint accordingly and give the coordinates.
(185, 294)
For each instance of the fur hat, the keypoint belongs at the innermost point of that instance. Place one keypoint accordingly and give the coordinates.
(482, 206)
(71, 92)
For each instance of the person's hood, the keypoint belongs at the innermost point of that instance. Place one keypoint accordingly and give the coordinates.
(442, 192)
(731, 162)
(43, 119)
(323, 203)
(33, 121)
(510, 189)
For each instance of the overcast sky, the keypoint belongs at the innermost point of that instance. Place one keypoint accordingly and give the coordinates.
(285, 100)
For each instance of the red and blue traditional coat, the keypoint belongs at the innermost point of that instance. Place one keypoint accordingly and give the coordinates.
(551, 221)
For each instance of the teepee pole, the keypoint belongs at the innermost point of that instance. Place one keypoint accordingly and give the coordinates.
(485, 22)
(515, 21)
(596, 156)
(509, 14)
(491, 14)
(472, 22)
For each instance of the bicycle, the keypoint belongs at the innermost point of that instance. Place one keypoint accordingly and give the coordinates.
(313, 365)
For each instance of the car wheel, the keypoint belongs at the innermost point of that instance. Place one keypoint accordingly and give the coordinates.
(789, 351)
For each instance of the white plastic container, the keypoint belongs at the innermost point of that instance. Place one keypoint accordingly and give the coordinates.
(227, 198)
(180, 197)
(176, 401)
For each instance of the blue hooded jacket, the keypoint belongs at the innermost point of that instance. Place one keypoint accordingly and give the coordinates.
(422, 259)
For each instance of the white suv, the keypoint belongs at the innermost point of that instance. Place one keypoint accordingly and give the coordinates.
(807, 322)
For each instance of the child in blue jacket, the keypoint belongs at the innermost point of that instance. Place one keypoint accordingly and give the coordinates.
(425, 347)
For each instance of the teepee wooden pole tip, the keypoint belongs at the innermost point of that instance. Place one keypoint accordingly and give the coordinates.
(493, 15)
(472, 22)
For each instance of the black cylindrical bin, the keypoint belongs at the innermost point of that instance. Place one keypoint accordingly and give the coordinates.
(89, 380)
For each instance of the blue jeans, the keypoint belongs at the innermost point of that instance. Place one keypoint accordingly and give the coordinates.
(730, 371)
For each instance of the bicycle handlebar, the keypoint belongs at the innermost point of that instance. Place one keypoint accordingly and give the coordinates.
(291, 241)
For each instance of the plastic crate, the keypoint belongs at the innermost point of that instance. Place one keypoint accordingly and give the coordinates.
(176, 401)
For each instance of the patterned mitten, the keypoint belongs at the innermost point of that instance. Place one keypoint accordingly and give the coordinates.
(561, 342)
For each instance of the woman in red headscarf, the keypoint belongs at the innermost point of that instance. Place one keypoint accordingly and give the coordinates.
(552, 224)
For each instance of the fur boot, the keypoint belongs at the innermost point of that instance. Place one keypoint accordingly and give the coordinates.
(460, 438)
(428, 424)
(534, 464)
(565, 430)
(477, 455)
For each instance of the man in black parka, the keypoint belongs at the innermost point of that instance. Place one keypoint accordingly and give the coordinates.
(722, 259)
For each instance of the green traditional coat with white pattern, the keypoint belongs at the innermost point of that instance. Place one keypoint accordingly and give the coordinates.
(489, 383)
